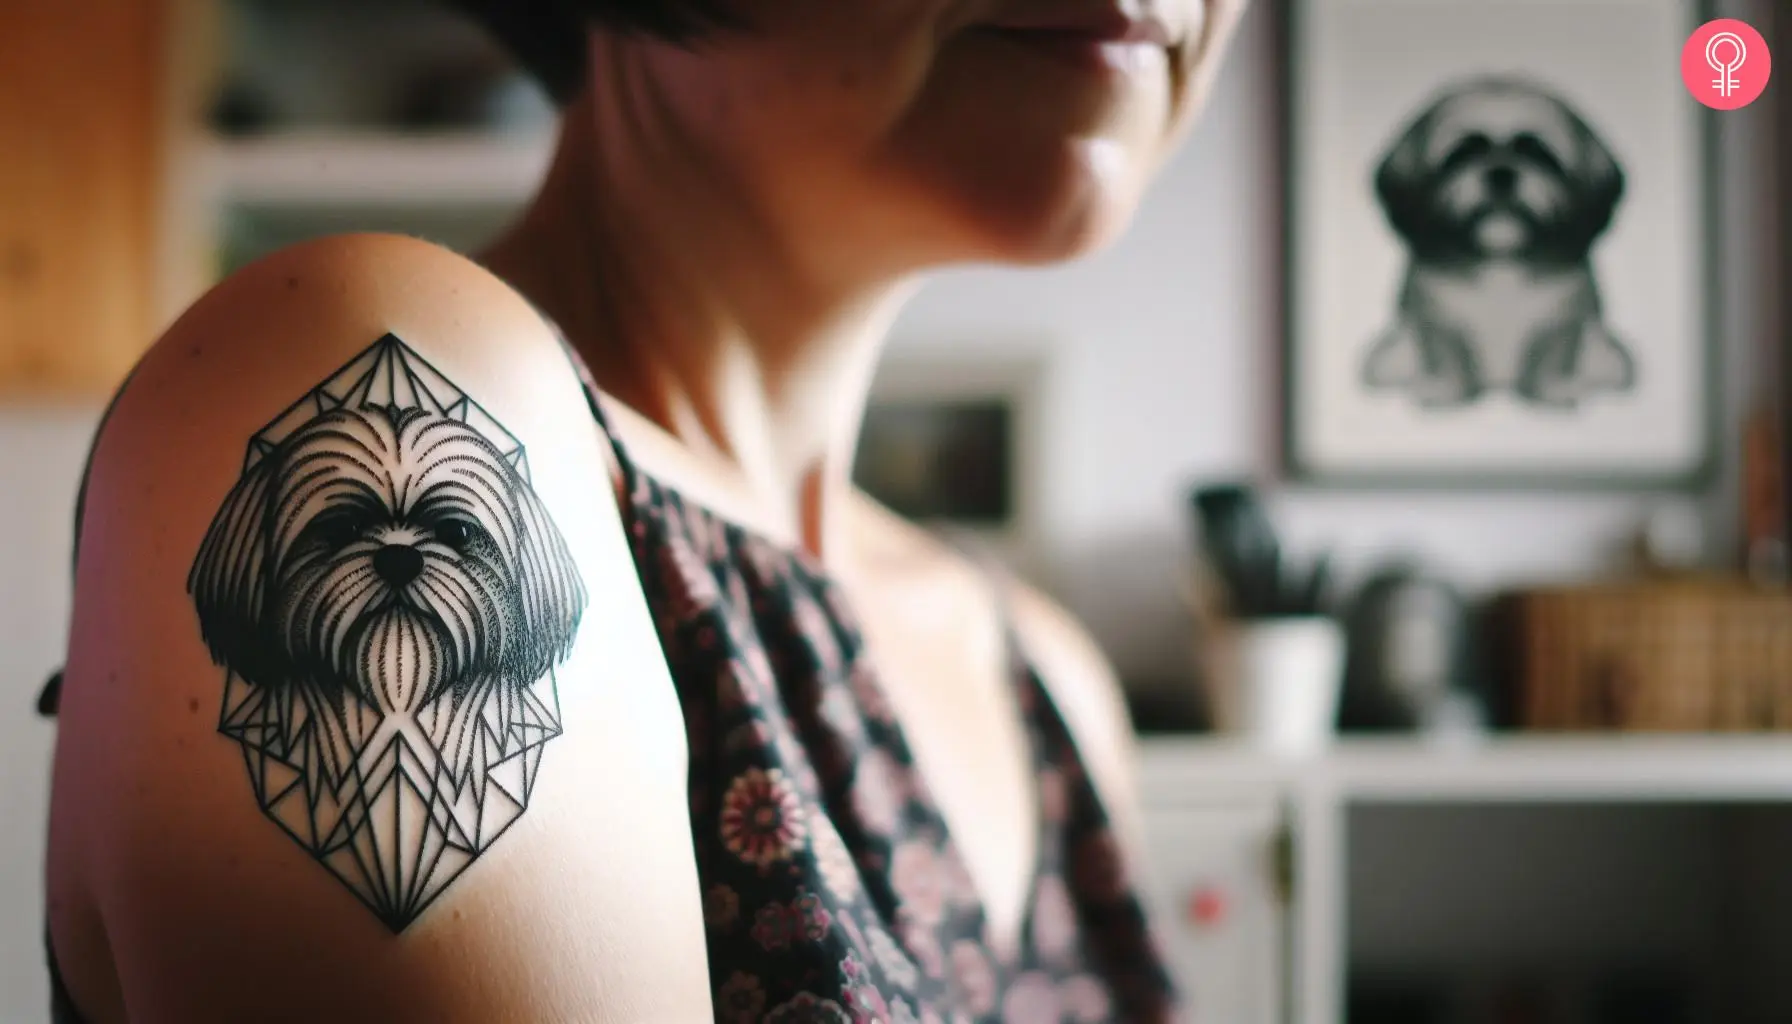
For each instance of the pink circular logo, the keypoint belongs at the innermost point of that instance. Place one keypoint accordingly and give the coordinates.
(1725, 64)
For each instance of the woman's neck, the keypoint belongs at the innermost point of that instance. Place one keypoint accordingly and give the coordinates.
(692, 309)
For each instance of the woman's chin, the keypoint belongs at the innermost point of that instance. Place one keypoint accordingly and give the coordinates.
(1035, 218)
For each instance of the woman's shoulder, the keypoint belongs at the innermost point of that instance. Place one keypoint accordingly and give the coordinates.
(357, 641)
(299, 295)
(284, 317)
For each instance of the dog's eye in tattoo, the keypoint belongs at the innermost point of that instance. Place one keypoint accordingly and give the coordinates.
(333, 531)
(459, 534)
(388, 599)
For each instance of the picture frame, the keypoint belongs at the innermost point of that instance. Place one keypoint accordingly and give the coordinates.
(1450, 325)
(949, 440)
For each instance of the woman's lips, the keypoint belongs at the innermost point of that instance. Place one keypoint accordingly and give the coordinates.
(1097, 50)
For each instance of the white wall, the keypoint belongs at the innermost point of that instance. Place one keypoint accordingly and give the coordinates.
(41, 449)
(1161, 353)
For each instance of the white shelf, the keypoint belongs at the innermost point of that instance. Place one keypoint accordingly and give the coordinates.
(1184, 779)
(1519, 769)
(377, 170)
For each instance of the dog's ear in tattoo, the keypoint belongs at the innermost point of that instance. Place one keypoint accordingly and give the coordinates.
(228, 580)
(553, 597)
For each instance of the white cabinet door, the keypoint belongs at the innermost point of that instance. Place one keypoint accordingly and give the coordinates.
(1215, 889)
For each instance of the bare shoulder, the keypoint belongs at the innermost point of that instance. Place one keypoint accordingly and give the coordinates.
(355, 627)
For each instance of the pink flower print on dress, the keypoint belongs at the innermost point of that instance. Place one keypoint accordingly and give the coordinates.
(1085, 1000)
(956, 881)
(842, 714)
(774, 927)
(922, 942)
(1054, 919)
(1032, 999)
(974, 977)
(915, 875)
(834, 861)
(811, 917)
(690, 584)
(740, 1000)
(872, 699)
(721, 907)
(890, 957)
(863, 1001)
(753, 734)
(879, 793)
(814, 625)
(762, 818)
(808, 1008)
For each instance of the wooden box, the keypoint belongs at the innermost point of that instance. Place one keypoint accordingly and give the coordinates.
(1681, 656)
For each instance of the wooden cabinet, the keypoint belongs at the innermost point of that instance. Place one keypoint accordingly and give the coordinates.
(89, 101)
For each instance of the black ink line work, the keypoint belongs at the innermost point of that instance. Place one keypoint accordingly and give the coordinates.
(388, 599)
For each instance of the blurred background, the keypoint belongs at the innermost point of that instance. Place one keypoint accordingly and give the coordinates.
(1455, 710)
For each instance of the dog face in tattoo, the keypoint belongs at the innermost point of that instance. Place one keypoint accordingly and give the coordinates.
(389, 600)
(389, 553)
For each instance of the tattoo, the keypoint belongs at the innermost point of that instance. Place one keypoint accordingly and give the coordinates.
(388, 599)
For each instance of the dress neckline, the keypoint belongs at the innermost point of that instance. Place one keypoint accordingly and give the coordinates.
(642, 490)
(1029, 691)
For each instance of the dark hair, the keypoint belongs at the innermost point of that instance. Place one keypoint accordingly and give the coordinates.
(548, 36)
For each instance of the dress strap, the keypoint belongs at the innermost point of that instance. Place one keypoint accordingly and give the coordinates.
(625, 466)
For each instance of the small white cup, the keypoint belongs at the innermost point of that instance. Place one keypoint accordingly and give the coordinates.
(1277, 684)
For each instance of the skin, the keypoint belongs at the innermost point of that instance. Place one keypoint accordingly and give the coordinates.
(725, 236)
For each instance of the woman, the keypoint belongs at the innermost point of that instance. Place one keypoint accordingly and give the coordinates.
(567, 695)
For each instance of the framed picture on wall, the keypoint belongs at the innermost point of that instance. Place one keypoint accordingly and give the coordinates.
(948, 441)
(1499, 255)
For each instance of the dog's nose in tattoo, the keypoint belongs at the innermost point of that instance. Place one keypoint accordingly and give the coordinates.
(398, 564)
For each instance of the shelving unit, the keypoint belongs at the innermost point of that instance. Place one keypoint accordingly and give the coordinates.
(457, 189)
(1530, 769)
(1424, 853)
(313, 169)
(324, 118)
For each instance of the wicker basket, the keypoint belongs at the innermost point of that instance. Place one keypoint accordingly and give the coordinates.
(1686, 656)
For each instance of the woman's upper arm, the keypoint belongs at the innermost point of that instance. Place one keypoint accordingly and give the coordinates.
(365, 717)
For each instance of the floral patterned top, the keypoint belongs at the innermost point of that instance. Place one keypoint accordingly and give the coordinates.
(832, 891)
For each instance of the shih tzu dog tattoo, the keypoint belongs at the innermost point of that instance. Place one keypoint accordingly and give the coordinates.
(389, 599)
(1498, 190)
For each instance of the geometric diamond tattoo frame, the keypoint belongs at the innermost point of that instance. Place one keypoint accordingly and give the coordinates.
(388, 599)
